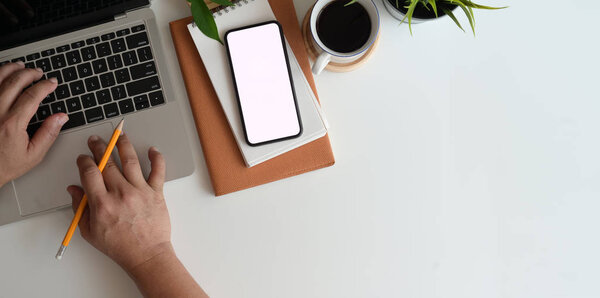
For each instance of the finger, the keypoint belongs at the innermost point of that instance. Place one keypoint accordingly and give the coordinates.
(112, 174)
(7, 69)
(84, 223)
(156, 179)
(27, 104)
(14, 84)
(130, 162)
(91, 178)
(45, 136)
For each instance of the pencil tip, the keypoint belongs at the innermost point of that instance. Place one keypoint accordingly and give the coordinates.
(120, 126)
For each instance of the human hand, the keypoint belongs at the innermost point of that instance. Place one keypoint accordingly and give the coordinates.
(127, 218)
(18, 104)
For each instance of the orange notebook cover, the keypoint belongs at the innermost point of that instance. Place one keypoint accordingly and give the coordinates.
(228, 172)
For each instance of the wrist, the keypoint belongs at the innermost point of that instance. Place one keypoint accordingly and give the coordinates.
(160, 255)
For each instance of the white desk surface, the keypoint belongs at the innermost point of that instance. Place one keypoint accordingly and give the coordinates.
(466, 167)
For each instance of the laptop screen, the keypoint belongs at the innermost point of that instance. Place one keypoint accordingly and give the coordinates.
(25, 21)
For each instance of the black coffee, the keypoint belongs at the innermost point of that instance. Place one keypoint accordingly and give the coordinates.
(342, 28)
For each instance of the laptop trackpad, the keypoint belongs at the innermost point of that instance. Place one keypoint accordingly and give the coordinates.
(56, 172)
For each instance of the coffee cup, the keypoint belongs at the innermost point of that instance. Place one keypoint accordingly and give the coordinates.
(342, 32)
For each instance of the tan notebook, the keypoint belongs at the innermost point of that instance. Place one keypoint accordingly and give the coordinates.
(225, 164)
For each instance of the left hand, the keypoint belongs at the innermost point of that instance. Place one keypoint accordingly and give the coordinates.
(18, 104)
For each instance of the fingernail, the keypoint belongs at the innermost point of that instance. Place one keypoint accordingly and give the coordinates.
(20, 63)
(62, 120)
(39, 69)
(53, 80)
(154, 149)
(69, 190)
(94, 138)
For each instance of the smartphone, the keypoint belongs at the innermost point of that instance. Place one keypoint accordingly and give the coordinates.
(263, 83)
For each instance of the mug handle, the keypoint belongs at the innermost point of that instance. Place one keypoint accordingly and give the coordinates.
(321, 62)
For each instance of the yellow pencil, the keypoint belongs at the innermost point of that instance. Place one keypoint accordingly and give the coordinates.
(83, 204)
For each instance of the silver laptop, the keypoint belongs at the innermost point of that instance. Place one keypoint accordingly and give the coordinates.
(109, 62)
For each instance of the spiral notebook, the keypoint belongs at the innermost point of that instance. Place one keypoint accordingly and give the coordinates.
(214, 56)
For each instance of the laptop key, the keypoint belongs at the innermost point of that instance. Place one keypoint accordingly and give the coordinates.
(73, 57)
(118, 45)
(92, 40)
(77, 44)
(144, 54)
(75, 119)
(33, 119)
(32, 128)
(58, 61)
(88, 53)
(57, 75)
(142, 70)
(107, 36)
(99, 66)
(103, 96)
(48, 52)
(73, 104)
(29, 65)
(77, 88)
(156, 98)
(88, 100)
(62, 91)
(49, 98)
(58, 107)
(122, 75)
(129, 58)
(62, 49)
(22, 59)
(107, 80)
(84, 70)
(44, 64)
(143, 86)
(137, 40)
(111, 110)
(118, 92)
(103, 49)
(69, 74)
(141, 102)
(4, 63)
(126, 106)
(92, 84)
(114, 62)
(43, 112)
(123, 32)
(138, 28)
(33, 56)
(94, 114)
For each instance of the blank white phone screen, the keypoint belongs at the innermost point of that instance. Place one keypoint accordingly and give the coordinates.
(263, 83)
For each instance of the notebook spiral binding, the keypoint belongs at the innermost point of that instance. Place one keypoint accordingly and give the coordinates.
(221, 10)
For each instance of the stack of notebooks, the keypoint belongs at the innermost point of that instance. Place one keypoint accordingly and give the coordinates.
(233, 165)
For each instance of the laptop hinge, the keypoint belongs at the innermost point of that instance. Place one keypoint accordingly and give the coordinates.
(121, 16)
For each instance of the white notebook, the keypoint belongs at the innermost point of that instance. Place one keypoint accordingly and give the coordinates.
(214, 56)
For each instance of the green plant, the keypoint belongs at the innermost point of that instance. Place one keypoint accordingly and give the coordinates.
(466, 5)
(204, 19)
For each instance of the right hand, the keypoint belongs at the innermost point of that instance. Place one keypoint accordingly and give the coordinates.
(127, 218)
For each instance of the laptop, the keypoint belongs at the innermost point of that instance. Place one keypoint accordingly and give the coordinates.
(109, 63)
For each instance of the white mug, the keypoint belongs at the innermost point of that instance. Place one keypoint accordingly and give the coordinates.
(328, 55)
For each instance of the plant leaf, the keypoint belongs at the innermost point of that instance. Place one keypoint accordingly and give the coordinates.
(351, 2)
(432, 3)
(469, 3)
(453, 17)
(467, 13)
(409, 13)
(204, 20)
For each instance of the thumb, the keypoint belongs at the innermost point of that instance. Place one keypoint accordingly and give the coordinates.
(45, 136)
(84, 223)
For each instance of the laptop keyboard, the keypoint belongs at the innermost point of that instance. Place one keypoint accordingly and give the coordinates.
(98, 78)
